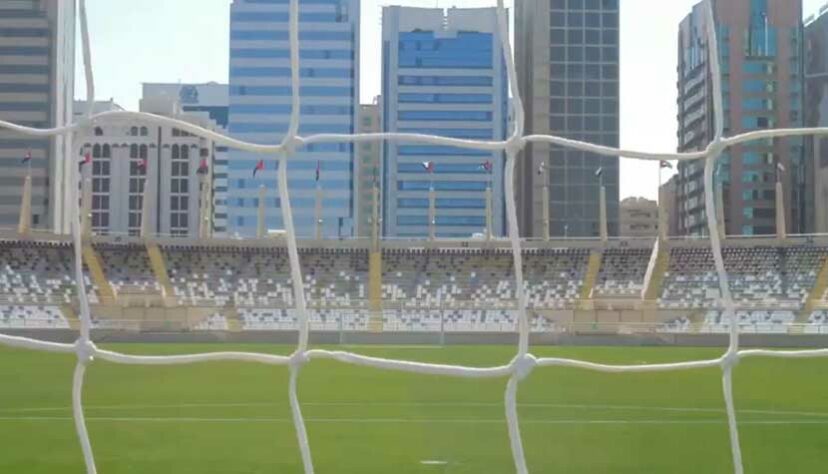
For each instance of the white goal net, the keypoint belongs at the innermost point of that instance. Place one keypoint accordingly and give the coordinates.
(523, 362)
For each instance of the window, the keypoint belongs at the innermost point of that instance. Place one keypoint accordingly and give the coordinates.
(144, 131)
(98, 132)
(133, 131)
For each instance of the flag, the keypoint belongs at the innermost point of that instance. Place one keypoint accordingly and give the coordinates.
(541, 169)
(780, 167)
(28, 157)
(599, 172)
(318, 170)
(259, 167)
(87, 158)
(202, 167)
(142, 165)
(487, 166)
(428, 166)
(665, 164)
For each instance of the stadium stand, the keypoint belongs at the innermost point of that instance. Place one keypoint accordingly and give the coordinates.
(817, 323)
(37, 272)
(422, 289)
(622, 272)
(757, 321)
(32, 317)
(776, 277)
(128, 269)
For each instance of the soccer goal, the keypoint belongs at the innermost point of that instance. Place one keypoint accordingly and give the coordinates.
(524, 362)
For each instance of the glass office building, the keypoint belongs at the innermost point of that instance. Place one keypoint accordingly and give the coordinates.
(443, 74)
(260, 107)
(567, 59)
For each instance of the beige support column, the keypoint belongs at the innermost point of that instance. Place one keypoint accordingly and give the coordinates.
(24, 226)
(432, 215)
(603, 214)
(261, 230)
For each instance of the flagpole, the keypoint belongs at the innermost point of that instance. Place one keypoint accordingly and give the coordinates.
(319, 196)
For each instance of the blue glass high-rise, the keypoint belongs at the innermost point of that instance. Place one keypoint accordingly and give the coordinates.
(443, 74)
(260, 107)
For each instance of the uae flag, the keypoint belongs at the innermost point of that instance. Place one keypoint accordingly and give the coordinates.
(28, 157)
(202, 167)
(428, 166)
(87, 158)
(259, 167)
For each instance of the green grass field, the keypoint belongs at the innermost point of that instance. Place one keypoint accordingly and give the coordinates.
(234, 417)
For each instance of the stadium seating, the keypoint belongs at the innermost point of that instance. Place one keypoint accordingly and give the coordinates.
(435, 278)
(32, 317)
(622, 272)
(759, 277)
(676, 326)
(215, 322)
(817, 323)
(263, 319)
(458, 320)
(128, 269)
(37, 273)
(261, 277)
(757, 321)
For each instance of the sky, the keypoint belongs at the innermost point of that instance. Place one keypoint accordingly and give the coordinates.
(188, 41)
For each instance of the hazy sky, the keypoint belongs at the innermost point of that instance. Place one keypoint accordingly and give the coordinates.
(188, 41)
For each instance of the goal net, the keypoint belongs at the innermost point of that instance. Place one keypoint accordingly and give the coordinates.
(523, 363)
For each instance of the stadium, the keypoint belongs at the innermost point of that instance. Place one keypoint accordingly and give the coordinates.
(166, 313)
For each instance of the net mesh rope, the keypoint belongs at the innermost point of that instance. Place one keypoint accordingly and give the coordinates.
(522, 364)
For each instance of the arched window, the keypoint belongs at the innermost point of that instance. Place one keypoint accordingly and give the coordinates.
(185, 152)
(107, 151)
(144, 131)
(175, 152)
(98, 132)
(143, 154)
(133, 151)
(133, 131)
(96, 151)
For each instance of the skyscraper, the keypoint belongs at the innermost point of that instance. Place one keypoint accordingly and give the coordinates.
(37, 61)
(567, 59)
(260, 107)
(761, 52)
(816, 115)
(443, 74)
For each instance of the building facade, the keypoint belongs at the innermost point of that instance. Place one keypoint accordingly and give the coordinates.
(127, 158)
(260, 107)
(638, 217)
(761, 55)
(212, 99)
(667, 194)
(443, 74)
(816, 114)
(567, 59)
(367, 163)
(37, 67)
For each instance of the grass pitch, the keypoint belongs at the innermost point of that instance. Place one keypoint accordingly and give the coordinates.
(234, 417)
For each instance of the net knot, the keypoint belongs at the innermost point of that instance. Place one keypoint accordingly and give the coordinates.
(291, 144)
(514, 145)
(298, 359)
(85, 350)
(731, 359)
(523, 365)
